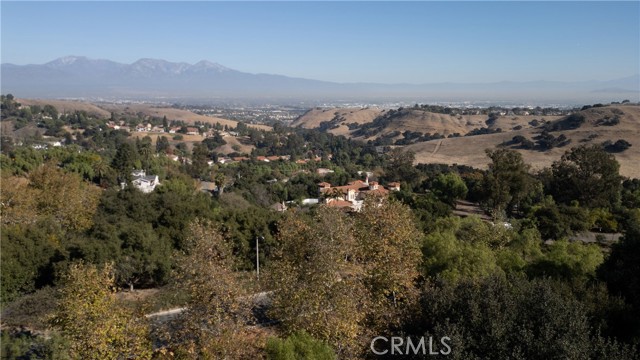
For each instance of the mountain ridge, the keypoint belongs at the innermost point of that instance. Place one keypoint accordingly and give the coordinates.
(80, 76)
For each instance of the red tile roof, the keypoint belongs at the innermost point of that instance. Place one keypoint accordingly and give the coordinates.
(339, 204)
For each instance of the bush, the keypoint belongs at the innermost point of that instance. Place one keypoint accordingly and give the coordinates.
(619, 146)
(298, 346)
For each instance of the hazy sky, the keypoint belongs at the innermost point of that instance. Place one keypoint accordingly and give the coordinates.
(387, 42)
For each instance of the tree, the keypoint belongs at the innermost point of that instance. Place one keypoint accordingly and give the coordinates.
(388, 249)
(145, 152)
(621, 272)
(399, 166)
(162, 145)
(459, 249)
(317, 282)
(512, 318)
(449, 187)
(125, 160)
(507, 182)
(50, 193)
(92, 321)
(215, 322)
(589, 175)
(199, 164)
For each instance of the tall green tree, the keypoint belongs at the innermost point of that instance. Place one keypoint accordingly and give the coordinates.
(125, 160)
(507, 182)
(589, 175)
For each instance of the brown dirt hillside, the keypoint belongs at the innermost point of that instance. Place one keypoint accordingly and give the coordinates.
(470, 150)
(66, 106)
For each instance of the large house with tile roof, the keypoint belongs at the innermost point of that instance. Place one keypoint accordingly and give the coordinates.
(352, 195)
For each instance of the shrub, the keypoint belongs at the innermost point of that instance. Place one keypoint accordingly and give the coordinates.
(299, 345)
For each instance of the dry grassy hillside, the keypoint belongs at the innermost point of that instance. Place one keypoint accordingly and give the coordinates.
(340, 116)
(415, 120)
(312, 118)
(471, 150)
(175, 114)
(190, 140)
(104, 111)
(66, 106)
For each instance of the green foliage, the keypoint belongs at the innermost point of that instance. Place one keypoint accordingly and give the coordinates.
(621, 272)
(453, 251)
(20, 346)
(508, 182)
(91, 320)
(515, 318)
(564, 259)
(298, 346)
(449, 187)
(26, 255)
(215, 322)
(125, 160)
(589, 175)
(468, 248)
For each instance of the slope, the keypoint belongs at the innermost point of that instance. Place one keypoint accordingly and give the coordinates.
(470, 150)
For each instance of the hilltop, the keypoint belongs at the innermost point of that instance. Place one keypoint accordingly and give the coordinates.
(370, 124)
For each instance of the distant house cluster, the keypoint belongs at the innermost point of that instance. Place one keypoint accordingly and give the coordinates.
(352, 195)
(118, 125)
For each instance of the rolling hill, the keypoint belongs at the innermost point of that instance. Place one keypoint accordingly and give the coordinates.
(380, 122)
(470, 150)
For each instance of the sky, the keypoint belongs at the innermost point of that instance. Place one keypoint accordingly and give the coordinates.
(380, 42)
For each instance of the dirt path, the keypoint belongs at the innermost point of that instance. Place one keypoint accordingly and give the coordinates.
(436, 148)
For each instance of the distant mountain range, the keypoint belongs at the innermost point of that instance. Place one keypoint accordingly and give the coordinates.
(81, 77)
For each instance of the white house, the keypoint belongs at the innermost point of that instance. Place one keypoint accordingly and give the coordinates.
(144, 183)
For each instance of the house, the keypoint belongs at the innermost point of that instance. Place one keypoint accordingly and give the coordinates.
(208, 187)
(394, 186)
(354, 193)
(142, 181)
(323, 171)
(193, 131)
(279, 207)
(174, 129)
